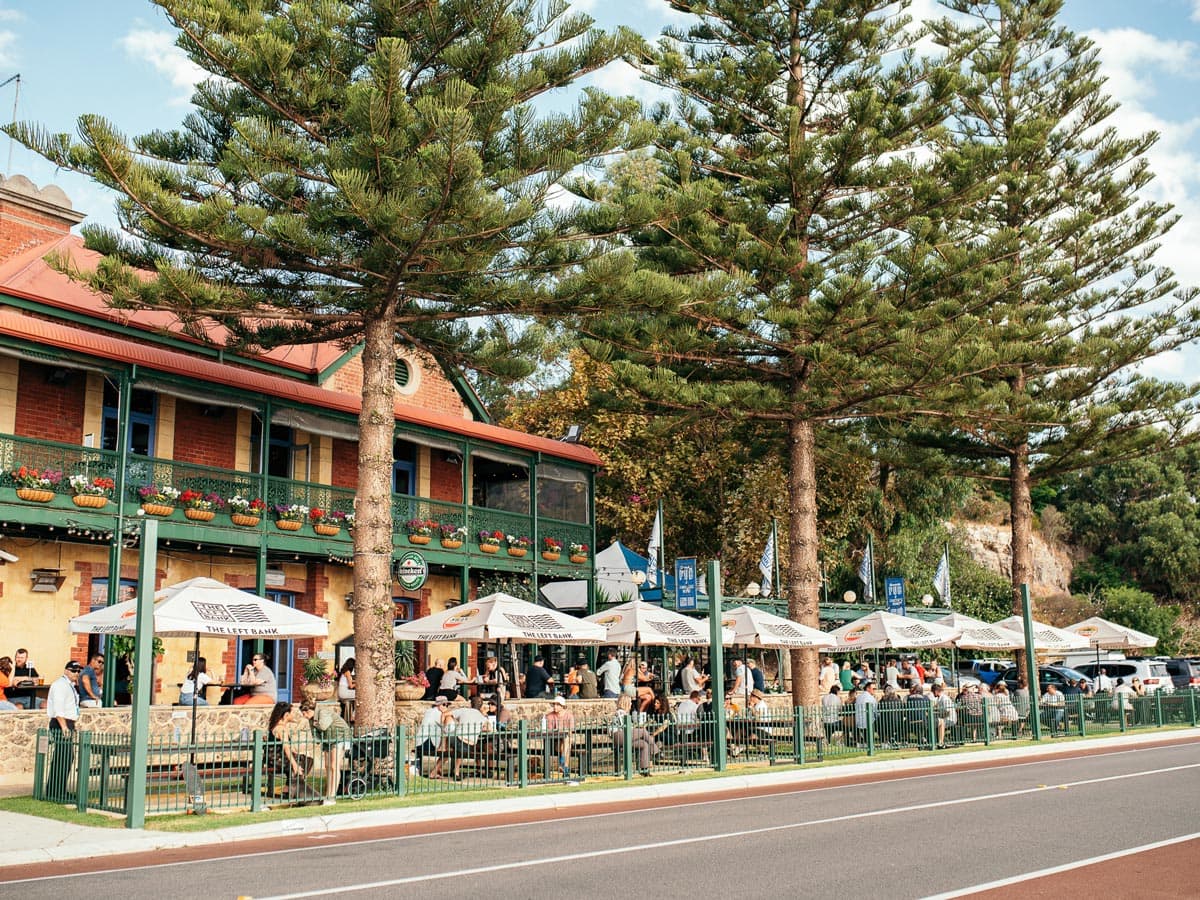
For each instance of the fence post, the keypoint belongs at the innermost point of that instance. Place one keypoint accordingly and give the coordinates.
(798, 735)
(42, 748)
(523, 754)
(987, 721)
(1191, 705)
(1121, 710)
(256, 772)
(627, 746)
(931, 721)
(83, 767)
(1158, 715)
(870, 729)
(1083, 715)
(400, 754)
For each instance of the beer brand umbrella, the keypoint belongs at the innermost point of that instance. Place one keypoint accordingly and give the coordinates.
(1105, 635)
(1046, 637)
(638, 622)
(758, 628)
(884, 629)
(502, 617)
(979, 635)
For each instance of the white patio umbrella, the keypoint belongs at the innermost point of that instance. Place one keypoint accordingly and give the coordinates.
(502, 617)
(881, 630)
(753, 627)
(205, 606)
(1105, 635)
(978, 635)
(638, 623)
(1046, 637)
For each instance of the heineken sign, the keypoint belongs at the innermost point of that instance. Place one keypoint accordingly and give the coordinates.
(410, 570)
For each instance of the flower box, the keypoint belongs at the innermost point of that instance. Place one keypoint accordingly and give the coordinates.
(550, 556)
(35, 495)
(244, 520)
(152, 508)
(450, 544)
(327, 530)
(289, 524)
(419, 538)
(90, 501)
(489, 548)
(199, 515)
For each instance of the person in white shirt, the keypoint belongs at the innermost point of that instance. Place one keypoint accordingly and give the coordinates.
(610, 676)
(194, 685)
(690, 679)
(829, 675)
(831, 711)
(739, 689)
(1104, 684)
(451, 679)
(864, 702)
(62, 709)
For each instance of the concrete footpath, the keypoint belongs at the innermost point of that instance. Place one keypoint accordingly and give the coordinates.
(32, 839)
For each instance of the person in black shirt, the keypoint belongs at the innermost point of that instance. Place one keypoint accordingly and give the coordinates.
(22, 670)
(434, 676)
(537, 680)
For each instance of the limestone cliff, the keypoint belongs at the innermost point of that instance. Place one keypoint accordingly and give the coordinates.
(991, 546)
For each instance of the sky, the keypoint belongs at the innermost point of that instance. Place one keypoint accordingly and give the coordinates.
(117, 59)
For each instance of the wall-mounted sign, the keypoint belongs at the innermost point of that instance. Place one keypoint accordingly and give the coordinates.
(410, 570)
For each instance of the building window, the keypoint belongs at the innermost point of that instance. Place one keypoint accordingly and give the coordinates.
(143, 414)
(499, 484)
(404, 468)
(562, 493)
(285, 457)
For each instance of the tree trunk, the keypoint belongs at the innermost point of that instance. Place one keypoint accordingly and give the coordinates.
(1021, 515)
(374, 644)
(804, 581)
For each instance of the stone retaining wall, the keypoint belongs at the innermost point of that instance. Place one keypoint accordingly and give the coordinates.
(18, 730)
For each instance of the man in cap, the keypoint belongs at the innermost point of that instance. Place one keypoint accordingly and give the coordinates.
(562, 723)
(62, 708)
(589, 689)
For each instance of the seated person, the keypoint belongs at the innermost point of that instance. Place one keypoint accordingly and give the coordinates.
(538, 680)
(451, 679)
(640, 740)
(260, 680)
(468, 724)
(287, 739)
(345, 684)
(6, 668)
(492, 680)
(195, 683)
(430, 734)
(23, 670)
(589, 687)
(89, 681)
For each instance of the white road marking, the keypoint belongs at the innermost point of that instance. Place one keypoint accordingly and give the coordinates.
(1065, 867)
(701, 839)
(804, 788)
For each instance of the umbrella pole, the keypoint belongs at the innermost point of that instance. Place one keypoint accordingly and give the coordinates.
(512, 651)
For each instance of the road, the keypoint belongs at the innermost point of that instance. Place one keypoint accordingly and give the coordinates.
(907, 837)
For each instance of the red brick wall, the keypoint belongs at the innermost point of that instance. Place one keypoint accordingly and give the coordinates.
(205, 440)
(52, 412)
(22, 228)
(345, 463)
(445, 478)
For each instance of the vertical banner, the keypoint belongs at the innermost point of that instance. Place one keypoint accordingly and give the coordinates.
(893, 589)
(685, 584)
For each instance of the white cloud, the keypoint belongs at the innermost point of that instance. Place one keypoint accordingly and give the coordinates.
(1196, 10)
(158, 49)
(8, 56)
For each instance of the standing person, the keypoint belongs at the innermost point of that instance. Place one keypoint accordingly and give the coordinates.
(828, 676)
(831, 711)
(757, 679)
(865, 706)
(739, 689)
(934, 673)
(944, 711)
(562, 723)
(335, 736)
(23, 670)
(588, 686)
(690, 678)
(891, 674)
(261, 681)
(846, 676)
(1054, 708)
(195, 683)
(89, 681)
(609, 674)
(538, 681)
(62, 709)
(1104, 684)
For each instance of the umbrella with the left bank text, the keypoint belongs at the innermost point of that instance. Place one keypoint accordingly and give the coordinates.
(205, 606)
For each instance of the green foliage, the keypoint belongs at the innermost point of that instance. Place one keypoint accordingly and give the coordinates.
(1137, 609)
(406, 659)
(316, 670)
(122, 646)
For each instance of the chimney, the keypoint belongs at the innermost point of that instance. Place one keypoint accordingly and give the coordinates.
(30, 216)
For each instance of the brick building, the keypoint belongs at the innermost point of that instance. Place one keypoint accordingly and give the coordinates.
(89, 391)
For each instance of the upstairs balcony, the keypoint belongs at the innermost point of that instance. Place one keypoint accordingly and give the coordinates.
(98, 516)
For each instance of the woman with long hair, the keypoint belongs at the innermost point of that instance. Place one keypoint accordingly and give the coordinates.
(193, 686)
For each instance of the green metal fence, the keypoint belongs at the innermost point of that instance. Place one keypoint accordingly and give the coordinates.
(255, 771)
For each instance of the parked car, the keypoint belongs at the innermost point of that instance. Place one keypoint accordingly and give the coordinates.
(1153, 673)
(953, 679)
(986, 670)
(1185, 673)
(1056, 675)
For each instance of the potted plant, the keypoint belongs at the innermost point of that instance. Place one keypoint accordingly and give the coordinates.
(518, 545)
(90, 492)
(35, 485)
(551, 548)
(489, 541)
(420, 531)
(158, 500)
(453, 536)
(245, 512)
(410, 685)
(290, 516)
(318, 683)
(326, 521)
(199, 506)
(577, 553)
